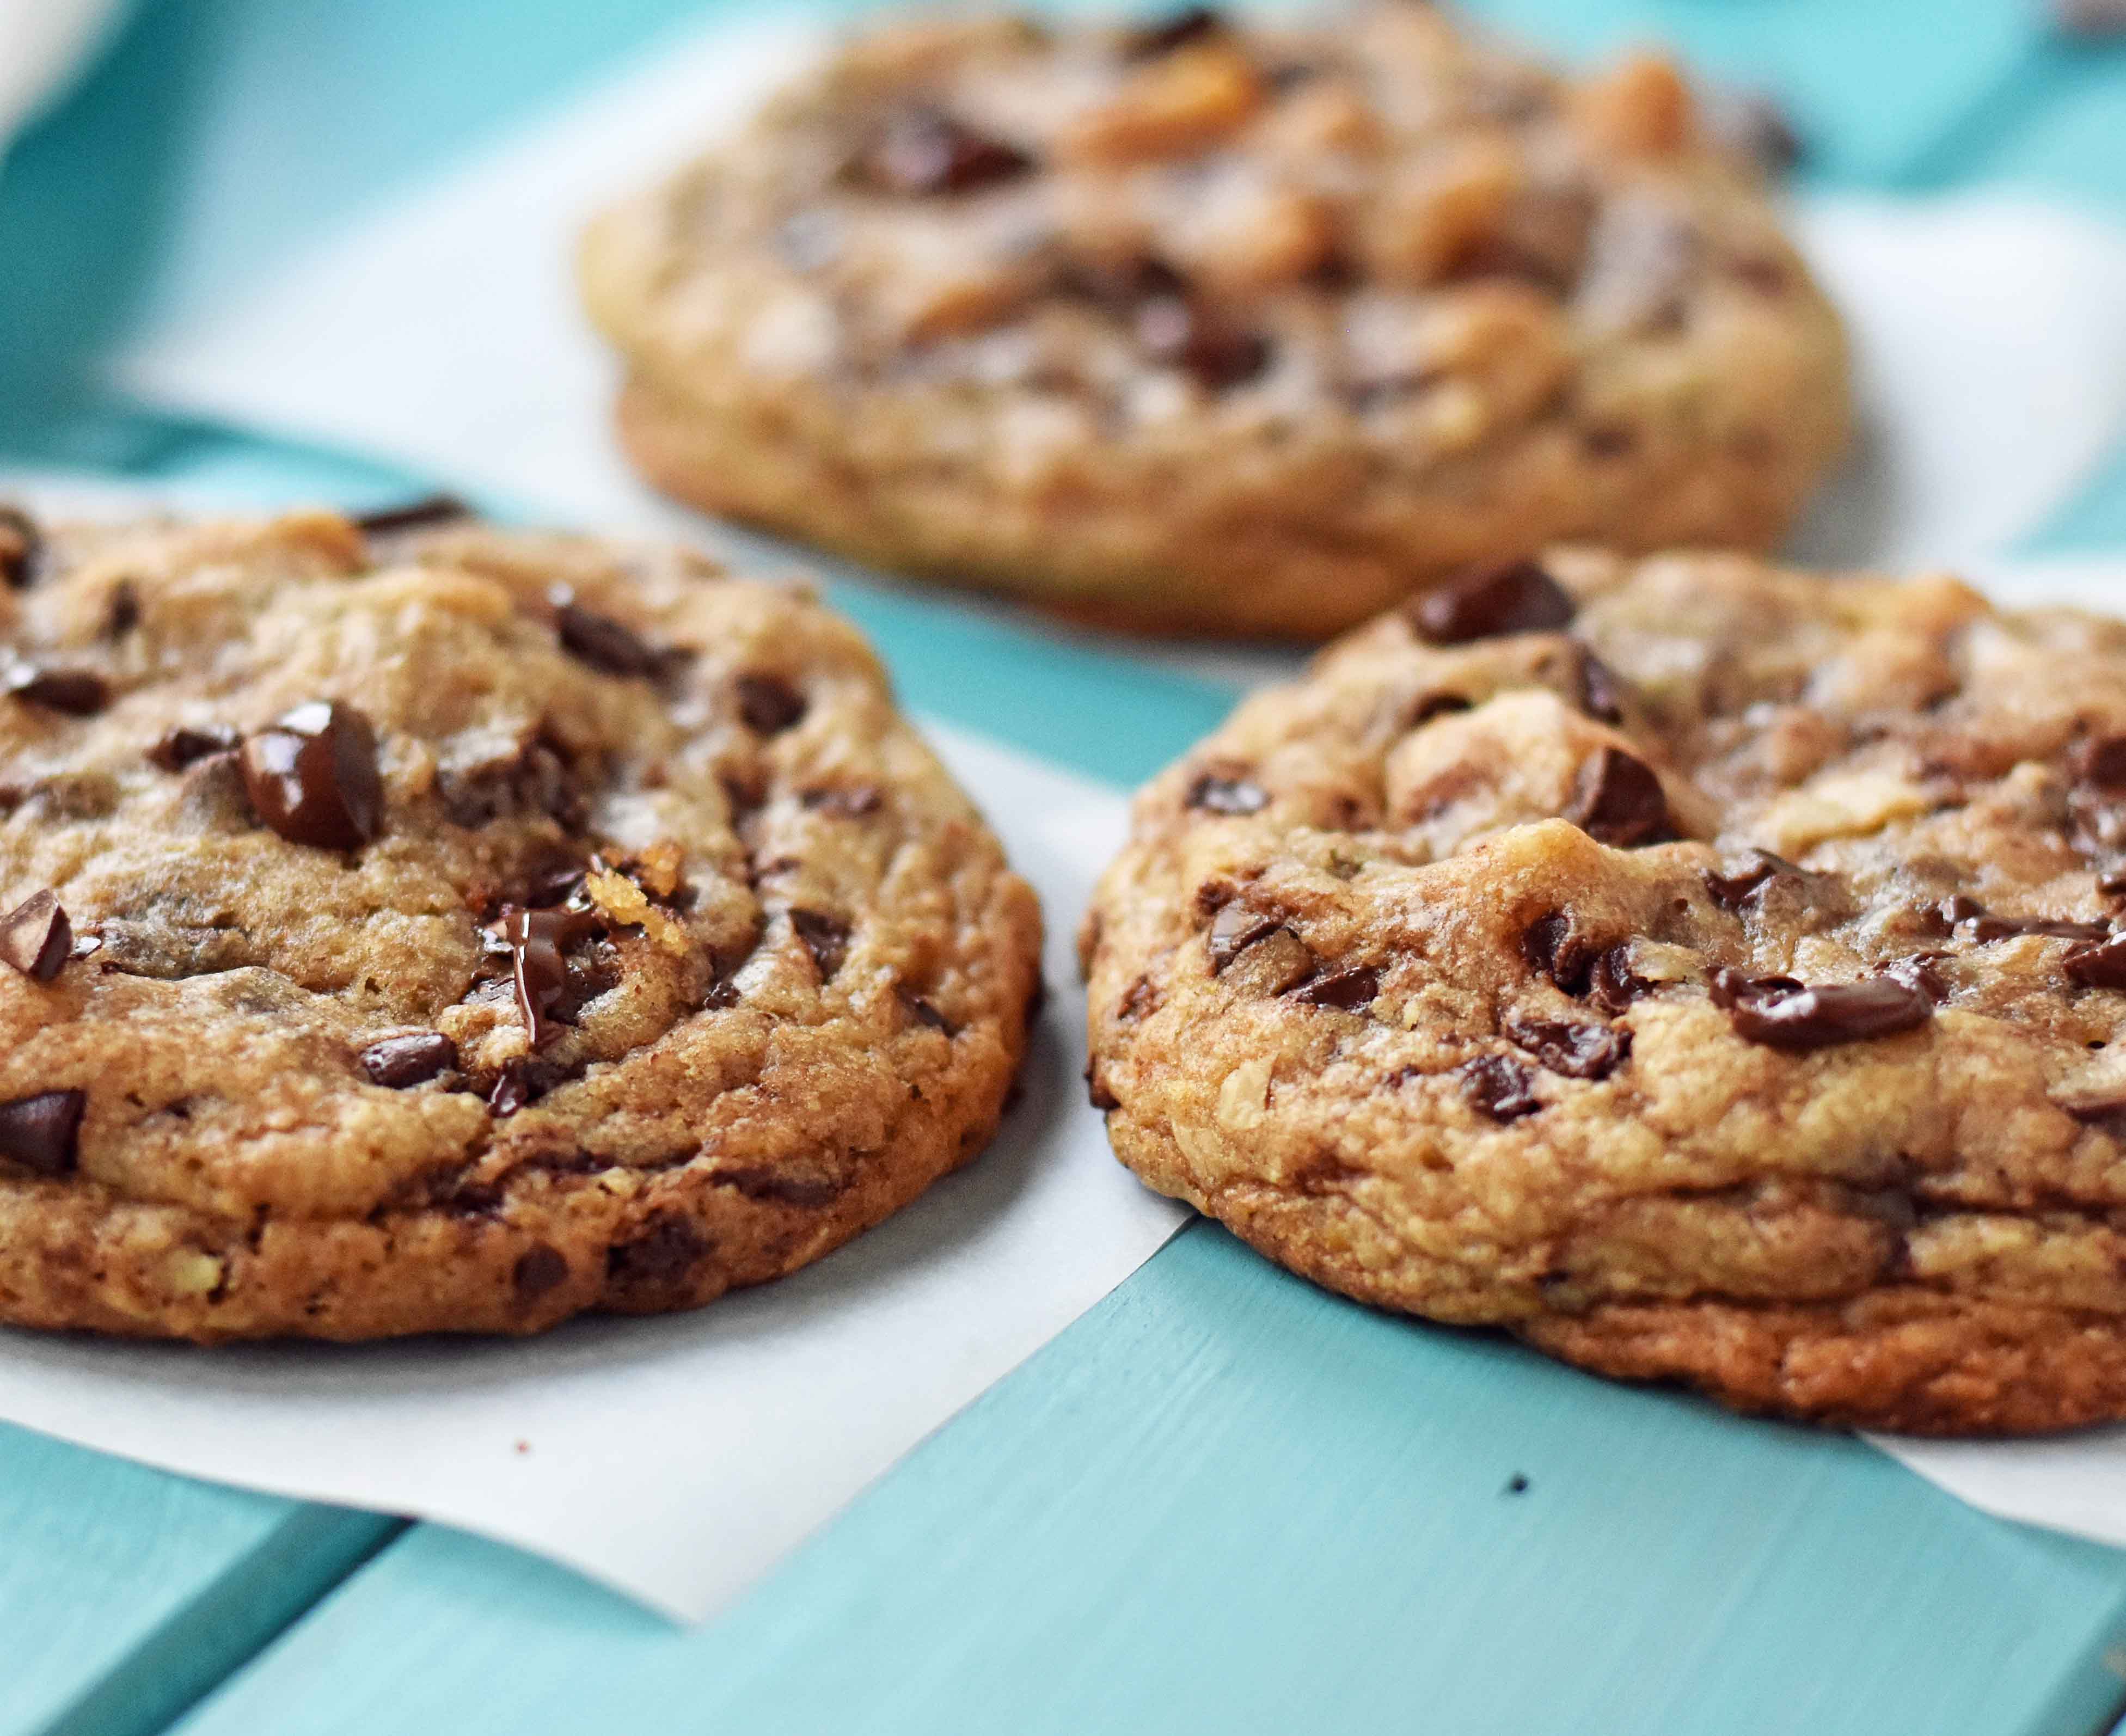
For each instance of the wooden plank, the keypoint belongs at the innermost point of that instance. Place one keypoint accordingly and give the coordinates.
(126, 1593)
(1227, 1500)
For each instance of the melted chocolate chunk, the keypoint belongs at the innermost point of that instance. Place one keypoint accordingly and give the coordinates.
(40, 1132)
(768, 704)
(1549, 949)
(35, 936)
(2098, 964)
(924, 1013)
(1783, 1013)
(21, 548)
(1965, 912)
(538, 941)
(312, 776)
(398, 1062)
(922, 151)
(1578, 1051)
(1344, 991)
(1214, 794)
(1617, 800)
(665, 1253)
(180, 747)
(1428, 705)
(76, 692)
(413, 515)
(1164, 37)
(124, 612)
(606, 644)
(1235, 929)
(538, 1269)
(539, 777)
(776, 1186)
(514, 1089)
(1611, 984)
(1097, 1092)
(1731, 891)
(1183, 332)
(853, 803)
(1498, 1085)
(825, 937)
(1518, 598)
(1601, 694)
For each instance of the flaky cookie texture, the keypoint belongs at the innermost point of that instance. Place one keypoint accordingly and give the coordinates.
(653, 955)
(1206, 328)
(1707, 971)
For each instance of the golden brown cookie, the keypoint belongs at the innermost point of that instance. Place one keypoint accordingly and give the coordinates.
(450, 930)
(1709, 972)
(1214, 329)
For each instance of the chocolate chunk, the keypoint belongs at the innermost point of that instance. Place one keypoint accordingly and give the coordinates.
(924, 1013)
(1097, 1092)
(180, 747)
(1617, 800)
(35, 936)
(1549, 949)
(1784, 1014)
(398, 1062)
(853, 803)
(665, 1253)
(768, 704)
(512, 1091)
(1140, 999)
(538, 1269)
(1235, 929)
(539, 776)
(778, 1185)
(312, 776)
(2097, 965)
(40, 1132)
(413, 515)
(77, 692)
(1345, 991)
(1966, 912)
(1214, 794)
(1518, 598)
(2090, 20)
(1498, 1085)
(21, 548)
(124, 614)
(1428, 705)
(538, 940)
(1601, 694)
(1731, 891)
(922, 151)
(1191, 26)
(599, 640)
(1183, 332)
(1611, 984)
(1578, 1051)
(825, 937)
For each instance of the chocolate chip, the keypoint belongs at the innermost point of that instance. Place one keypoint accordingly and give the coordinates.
(1097, 1092)
(1578, 1051)
(1191, 26)
(1428, 705)
(413, 515)
(851, 804)
(2097, 965)
(768, 704)
(1731, 891)
(599, 640)
(1214, 794)
(1783, 1013)
(312, 776)
(1617, 800)
(924, 1014)
(2112, 884)
(540, 776)
(538, 1269)
(180, 747)
(666, 1252)
(40, 1132)
(514, 1090)
(1601, 694)
(1611, 984)
(77, 692)
(1549, 949)
(825, 937)
(1235, 929)
(1183, 332)
(35, 936)
(776, 1185)
(1518, 598)
(1498, 1085)
(537, 941)
(922, 151)
(124, 614)
(21, 548)
(1344, 991)
(1963, 912)
(1139, 998)
(398, 1062)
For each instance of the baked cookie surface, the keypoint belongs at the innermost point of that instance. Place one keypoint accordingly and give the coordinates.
(1221, 330)
(455, 930)
(1709, 972)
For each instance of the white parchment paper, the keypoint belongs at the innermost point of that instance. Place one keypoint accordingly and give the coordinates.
(443, 332)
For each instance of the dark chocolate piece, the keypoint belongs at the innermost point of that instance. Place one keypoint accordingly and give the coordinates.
(1428, 705)
(77, 692)
(922, 151)
(825, 937)
(1235, 929)
(180, 747)
(312, 776)
(2098, 964)
(21, 548)
(538, 941)
(1214, 794)
(41, 1132)
(1344, 991)
(1549, 949)
(1611, 984)
(398, 1062)
(1578, 1051)
(1601, 695)
(413, 515)
(665, 1253)
(1517, 597)
(539, 1269)
(35, 936)
(1783, 1013)
(768, 704)
(1498, 1085)
(1731, 891)
(1183, 332)
(924, 1013)
(606, 644)
(1967, 913)
(1617, 800)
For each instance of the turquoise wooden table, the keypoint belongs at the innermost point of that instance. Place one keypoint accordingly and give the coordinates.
(1223, 1501)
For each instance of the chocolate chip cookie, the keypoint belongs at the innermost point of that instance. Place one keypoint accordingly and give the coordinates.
(1709, 972)
(1250, 330)
(447, 930)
